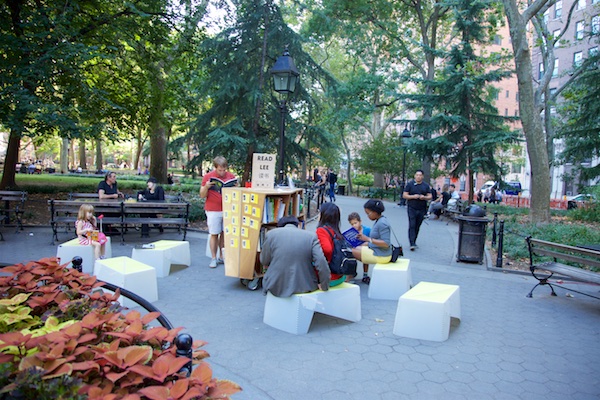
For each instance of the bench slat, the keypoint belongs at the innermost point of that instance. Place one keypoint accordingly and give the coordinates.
(568, 257)
(565, 247)
(573, 272)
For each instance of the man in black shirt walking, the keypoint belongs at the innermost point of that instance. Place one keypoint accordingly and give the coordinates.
(417, 193)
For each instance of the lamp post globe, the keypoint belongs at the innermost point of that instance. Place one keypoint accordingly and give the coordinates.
(285, 77)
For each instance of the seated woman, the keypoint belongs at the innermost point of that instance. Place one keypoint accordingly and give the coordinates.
(153, 192)
(329, 227)
(377, 248)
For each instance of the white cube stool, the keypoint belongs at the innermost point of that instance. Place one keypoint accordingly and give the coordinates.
(129, 274)
(164, 253)
(294, 314)
(67, 250)
(390, 281)
(424, 312)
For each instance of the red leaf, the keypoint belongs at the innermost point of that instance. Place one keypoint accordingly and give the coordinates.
(146, 319)
(202, 373)
(179, 388)
(155, 392)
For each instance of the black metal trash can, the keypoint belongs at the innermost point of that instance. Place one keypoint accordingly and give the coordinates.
(341, 190)
(471, 238)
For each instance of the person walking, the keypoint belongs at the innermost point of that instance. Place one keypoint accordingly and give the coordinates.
(416, 193)
(331, 179)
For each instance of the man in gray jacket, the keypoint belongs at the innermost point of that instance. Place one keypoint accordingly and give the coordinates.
(294, 260)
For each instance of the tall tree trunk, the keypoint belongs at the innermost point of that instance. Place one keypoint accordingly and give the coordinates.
(82, 160)
(71, 154)
(530, 118)
(99, 160)
(64, 156)
(158, 128)
(10, 162)
(138, 151)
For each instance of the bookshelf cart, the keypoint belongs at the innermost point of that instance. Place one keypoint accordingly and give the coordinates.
(247, 215)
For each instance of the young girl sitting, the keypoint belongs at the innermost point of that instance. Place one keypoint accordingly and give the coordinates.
(85, 225)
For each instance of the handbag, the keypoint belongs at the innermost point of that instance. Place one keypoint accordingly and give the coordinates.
(397, 251)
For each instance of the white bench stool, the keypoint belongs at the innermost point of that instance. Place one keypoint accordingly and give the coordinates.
(164, 253)
(129, 274)
(294, 314)
(390, 281)
(67, 250)
(424, 312)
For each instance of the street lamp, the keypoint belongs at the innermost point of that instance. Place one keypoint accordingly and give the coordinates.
(285, 76)
(405, 135)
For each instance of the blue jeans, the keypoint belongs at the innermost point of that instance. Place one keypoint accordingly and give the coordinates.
(332, 192)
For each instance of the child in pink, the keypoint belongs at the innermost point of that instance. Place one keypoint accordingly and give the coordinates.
(85, 225)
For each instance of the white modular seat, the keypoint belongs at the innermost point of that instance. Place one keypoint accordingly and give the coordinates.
(67, 250)
(390, 281)
(425, 311)
(129, 274)
(294, 314)
(164, 253)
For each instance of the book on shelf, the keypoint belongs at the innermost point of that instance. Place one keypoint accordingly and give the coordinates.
(351, 236)
(219, 184)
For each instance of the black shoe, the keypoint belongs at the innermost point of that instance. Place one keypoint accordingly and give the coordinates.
(161, 229)
(366, 279)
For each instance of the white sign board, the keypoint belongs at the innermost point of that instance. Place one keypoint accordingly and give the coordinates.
(263, 170)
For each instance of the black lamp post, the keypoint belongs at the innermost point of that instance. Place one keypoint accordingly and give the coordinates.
(405, 135)
(285, 76)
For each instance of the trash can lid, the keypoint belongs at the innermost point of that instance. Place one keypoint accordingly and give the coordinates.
(474, 211)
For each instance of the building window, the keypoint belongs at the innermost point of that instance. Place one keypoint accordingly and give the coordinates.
(517, 97)
(506, 112)
(540, 70)
(507, 94)
(546, 15)
(593, 51)
(577, 58)
(497, 40)
(580, 5)
(555, 35)
(596, 24)
(516, 112)
(558, 9)
(579, 30)
(555, 69)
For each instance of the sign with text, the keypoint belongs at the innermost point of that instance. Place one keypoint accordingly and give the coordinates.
(263, 170)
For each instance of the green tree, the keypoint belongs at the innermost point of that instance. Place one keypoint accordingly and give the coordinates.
(242, 115)
(581, 123)
(466, 126)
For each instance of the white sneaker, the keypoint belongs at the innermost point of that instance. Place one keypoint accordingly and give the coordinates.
(213, 263)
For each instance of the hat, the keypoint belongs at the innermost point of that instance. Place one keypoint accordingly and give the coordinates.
(288, 219)
(151, 179)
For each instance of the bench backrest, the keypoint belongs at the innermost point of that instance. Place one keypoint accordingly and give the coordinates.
(565, 252)
(12, 195)
(155, 208)
(73, 196)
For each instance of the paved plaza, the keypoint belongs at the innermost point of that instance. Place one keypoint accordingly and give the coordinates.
(506, 346)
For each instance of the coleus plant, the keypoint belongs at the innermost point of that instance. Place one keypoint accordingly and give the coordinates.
(55, 324)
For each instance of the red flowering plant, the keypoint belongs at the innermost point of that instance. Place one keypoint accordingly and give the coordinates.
(61, 337)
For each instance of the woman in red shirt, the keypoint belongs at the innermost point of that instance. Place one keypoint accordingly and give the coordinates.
(329, 222)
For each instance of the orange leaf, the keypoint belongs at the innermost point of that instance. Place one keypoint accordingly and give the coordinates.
(155, 392)
(115, 376)
(66, 369)
(179, 388)
(203, 373)
(132, 316)
(85, 366)
(134, 354)
(146, 319)
(193, 393)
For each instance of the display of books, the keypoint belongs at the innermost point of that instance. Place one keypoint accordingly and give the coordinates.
(219, 184)
(351, 236)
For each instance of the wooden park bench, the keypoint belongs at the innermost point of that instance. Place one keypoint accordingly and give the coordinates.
(580, 257)
(162, 213)
(12, 203)
(452, 213)
(64, 212)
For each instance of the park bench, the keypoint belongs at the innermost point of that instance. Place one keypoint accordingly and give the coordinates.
(452, 213)
(579, 256)
(12, 203)
(76, 196)
(64, 212)
(157, 213)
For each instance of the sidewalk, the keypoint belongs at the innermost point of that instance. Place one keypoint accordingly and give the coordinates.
(507, 346)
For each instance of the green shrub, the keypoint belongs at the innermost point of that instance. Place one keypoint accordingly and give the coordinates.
(363, 180)
(197, 212)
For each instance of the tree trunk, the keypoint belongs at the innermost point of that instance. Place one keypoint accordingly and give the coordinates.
(530, 118)
(82, 160)
(10, 162)
(64, 156)
(99, 160)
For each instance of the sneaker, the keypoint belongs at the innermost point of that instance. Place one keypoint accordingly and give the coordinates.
(213, 263)
(220, 261)
(366, 279)
(413, 247)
